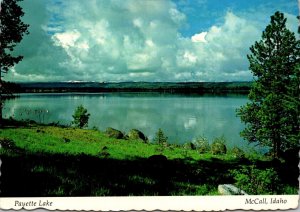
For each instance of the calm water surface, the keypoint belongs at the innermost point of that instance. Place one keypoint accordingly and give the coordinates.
(182, 117)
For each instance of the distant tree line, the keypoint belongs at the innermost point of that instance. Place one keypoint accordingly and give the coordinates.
(169, 87)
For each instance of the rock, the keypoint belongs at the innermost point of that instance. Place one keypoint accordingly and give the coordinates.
(135, 134)
(229, 189)
(113, 133)
(66, 140)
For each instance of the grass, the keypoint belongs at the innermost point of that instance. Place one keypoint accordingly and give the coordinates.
(61, 161)
(49, 139)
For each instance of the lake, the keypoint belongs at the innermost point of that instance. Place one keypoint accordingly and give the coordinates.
(183, 118)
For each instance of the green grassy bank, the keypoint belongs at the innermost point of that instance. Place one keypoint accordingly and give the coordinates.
(39, 160)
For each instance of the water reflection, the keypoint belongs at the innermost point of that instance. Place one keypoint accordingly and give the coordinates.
(182, 118)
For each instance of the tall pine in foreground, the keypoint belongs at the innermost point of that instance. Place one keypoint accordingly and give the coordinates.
(272, 115)
(12, 30)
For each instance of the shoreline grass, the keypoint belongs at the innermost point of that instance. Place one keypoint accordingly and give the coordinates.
(61, 161)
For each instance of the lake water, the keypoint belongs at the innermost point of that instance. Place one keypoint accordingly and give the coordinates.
(182, 117)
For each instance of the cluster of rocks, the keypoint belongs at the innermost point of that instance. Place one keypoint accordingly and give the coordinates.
(133, 134)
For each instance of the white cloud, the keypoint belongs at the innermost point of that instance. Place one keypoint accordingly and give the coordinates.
(130, 40)
(66, 39)
(199, 37)
(176, 16)
(186, 59)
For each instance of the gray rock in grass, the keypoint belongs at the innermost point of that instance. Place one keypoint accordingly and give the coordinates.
(229, 189)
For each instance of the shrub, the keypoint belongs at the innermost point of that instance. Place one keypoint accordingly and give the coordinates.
(202, 145)
(289, 190)
(218, 146)
(255, 181)
(189, 145)
(95, 128)
(81, 117)
(7, 143)
(160, 137)
(237, 152)
(161, 140)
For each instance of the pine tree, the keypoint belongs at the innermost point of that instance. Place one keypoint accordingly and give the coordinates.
(12, 30)
(81, 117)
(271, 116)
(160, 137)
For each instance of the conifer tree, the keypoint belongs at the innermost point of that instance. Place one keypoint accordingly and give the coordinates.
(12, 30)
(271, 116)
(81, 117)
(160, 137)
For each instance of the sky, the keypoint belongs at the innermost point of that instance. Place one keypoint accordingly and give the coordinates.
(143, 40)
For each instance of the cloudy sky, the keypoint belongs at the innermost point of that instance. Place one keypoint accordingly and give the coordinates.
(143, 40)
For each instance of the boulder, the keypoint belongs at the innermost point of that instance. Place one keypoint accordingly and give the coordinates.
(229, 189)
(113, 133)
(66, 140)
(135, 134)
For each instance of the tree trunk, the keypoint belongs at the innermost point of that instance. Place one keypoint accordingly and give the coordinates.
(276, 145)
(1, 100)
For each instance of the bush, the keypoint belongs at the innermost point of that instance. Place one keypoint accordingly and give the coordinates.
(218, 146)
(202, 145)
(81, 117)
(255, 181)
(160, 138)
(237, 152)
(7, 144)
(189, 145)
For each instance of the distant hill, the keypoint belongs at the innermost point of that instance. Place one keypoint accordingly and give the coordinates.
(171, 87)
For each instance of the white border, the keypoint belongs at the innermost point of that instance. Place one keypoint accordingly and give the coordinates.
(185, 203)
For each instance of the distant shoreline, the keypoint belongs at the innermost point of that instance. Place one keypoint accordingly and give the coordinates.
(162, 87)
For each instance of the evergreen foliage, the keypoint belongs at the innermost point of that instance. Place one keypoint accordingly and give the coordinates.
(257, 181)
(271, 116)
(81, 117)
(160, 137)
(12, 30)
